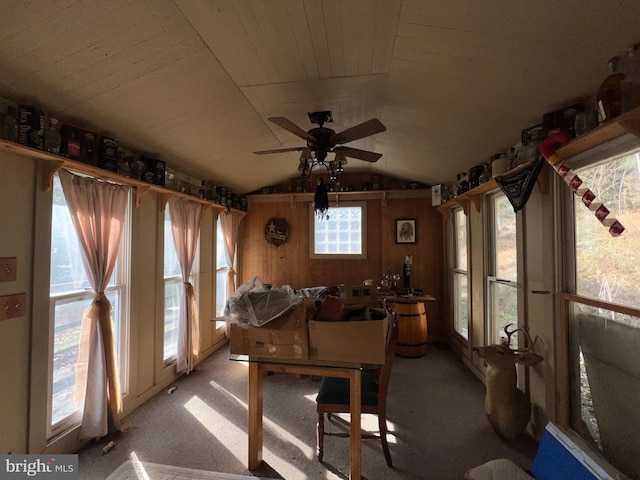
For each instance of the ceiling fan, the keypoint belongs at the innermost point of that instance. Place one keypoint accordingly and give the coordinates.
(321, 141)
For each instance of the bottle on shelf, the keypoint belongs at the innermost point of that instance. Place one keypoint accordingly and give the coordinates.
(485, 176)
(52, 138)
(610, 92)
(630, 85)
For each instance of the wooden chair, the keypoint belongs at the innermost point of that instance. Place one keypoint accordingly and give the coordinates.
(333, 396)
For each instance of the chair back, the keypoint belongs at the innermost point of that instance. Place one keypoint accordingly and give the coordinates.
(384, 375)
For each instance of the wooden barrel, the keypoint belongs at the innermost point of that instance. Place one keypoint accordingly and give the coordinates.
(412, 329)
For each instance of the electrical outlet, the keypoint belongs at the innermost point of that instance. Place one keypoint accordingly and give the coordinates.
(8, 267)
(13, 306)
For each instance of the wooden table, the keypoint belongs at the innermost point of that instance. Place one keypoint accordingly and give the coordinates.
(408, 298)
(257, 371)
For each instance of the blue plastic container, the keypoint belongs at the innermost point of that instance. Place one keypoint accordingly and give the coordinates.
(564, 455)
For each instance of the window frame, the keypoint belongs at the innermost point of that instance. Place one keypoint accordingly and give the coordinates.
(458, 272)
(493, 280)
(574, 304)
(120, 283)
(220, 254)
(313, 217)
(194, 278)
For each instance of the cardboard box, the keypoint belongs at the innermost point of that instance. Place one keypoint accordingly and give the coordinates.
(31, 130)
(9, 120)
(366, 294)
(154, 170)
(356, 341)
(108, 153)
(436, 195)
(285, 337)
(563, 119)
(78, 144)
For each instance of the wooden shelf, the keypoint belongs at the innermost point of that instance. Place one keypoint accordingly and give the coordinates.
(472, 196)
(383, 195)
(52, 163)
(626, 123)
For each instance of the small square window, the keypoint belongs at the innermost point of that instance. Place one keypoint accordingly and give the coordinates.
(341, 233)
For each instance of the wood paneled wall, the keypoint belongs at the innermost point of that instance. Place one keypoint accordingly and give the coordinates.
(290, 264)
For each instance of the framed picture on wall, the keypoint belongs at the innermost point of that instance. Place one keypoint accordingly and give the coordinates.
(406, 230)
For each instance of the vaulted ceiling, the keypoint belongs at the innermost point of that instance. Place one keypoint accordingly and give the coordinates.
(194, 81)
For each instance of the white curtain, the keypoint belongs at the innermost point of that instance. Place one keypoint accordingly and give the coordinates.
(185, 225)
(98, 211)
(230, 225)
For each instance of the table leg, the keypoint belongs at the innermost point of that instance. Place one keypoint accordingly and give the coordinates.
(355, 380)
(255, 415)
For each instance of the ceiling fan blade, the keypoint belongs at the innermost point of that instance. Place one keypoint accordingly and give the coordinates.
(370, 127)
(280, 150)
(289, 126)
(359, 154)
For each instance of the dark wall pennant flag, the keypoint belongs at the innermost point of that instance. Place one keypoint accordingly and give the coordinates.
(517, 186)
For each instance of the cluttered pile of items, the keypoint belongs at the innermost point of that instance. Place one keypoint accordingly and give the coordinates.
(336, 324)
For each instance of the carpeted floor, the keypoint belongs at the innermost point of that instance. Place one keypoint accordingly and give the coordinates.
(435, 412)
(130, 470)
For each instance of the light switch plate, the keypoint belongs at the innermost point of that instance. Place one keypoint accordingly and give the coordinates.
(8, 267)
(13, 306)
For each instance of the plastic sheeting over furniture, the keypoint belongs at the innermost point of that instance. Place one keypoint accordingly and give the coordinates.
(254, 304)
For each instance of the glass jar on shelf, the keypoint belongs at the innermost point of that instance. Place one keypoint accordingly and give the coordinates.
(394, 282)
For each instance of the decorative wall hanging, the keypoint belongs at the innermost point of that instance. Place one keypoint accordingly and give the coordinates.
(406, 230)
(517, 186)
(276, 231)
(548, 149)
(321, 199)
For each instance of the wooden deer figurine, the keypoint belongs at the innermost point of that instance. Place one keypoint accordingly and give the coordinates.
(508, 408)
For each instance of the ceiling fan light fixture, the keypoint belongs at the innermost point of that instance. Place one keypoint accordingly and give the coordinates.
(306, 154)
(340, 161)
(321, 141)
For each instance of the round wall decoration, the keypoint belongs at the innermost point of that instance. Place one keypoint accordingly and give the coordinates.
(276, 231)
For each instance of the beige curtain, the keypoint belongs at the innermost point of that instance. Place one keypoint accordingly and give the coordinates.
(230, 225)
(98, 211)
(185, 223)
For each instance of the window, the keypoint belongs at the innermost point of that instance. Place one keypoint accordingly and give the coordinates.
(503, 265)
(174, 289)
(605, 317)
(340, 233)
(222, 270)
(607, 268)
(460, 275)
(69, 295)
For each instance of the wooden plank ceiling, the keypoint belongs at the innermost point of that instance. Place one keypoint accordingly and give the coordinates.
(193, 81)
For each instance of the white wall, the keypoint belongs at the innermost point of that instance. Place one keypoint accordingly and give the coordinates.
(17, 179)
